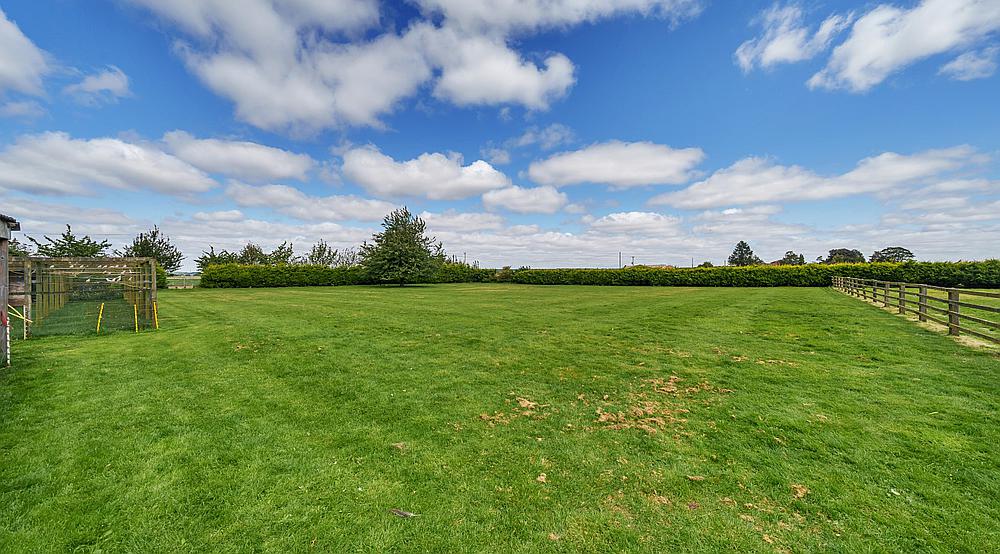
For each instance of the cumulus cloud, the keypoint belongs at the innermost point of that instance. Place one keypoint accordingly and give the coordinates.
(484, 70)
(538, 200)
(268, 58)
(888, 38)
(461, 221)
(760, 180)
(545, 138)
(239, 159)
(220, 215)
(972, 65)
(55, 163)
(295, 203)
(643, 223)
(106, 86)
(786, 38)
(431, 175)
(620, 164)
(22, 64)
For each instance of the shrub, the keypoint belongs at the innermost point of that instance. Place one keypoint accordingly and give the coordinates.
(948, 274)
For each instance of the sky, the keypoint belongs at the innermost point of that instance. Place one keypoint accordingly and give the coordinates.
(542, 133)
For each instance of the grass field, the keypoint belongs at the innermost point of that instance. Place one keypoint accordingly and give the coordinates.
(510, 418)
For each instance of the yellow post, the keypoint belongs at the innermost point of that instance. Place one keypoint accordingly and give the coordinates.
(156, 317)
(135, 309)
(100, 314)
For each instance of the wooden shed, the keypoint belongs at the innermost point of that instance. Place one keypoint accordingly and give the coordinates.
(7, 224)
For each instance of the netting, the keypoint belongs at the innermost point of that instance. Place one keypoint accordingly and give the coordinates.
(76, 296)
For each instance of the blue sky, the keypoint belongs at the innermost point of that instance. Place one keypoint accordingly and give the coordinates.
(525, 132)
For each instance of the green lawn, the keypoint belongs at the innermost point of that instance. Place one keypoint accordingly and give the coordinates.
(510, 418)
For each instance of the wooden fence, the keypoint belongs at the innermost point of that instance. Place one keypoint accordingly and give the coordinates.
(929, 303)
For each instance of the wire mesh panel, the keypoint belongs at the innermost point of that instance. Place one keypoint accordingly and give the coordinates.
(77, 296)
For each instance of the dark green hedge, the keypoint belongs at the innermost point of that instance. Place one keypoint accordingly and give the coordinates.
(949, 274)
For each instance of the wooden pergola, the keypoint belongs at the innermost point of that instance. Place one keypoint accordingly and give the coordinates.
(7, 224)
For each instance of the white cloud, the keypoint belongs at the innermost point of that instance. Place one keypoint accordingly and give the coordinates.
(431, 175)
(620, 164)
(268, 58)
(22, 64)
(786, 39)
(539, 200)
(221, 215)
(459, 221)
(240, 159)
(972, 65)
(547, 138)
(26, 109)
(642, 223)
(888, 38)
(759, 180)
(526, 15)
(55, 163)
(104, 87)
(496, 156)
(484, 70)
(295, 203)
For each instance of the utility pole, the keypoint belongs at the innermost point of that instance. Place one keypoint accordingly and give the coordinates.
(633, 260)
(619, 260)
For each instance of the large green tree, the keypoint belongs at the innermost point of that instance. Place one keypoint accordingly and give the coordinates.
(70, 245)
(154, 244)
(791, 258)
(742, 255)
(401, 253)
(844, 256)
(892, 254)
(17, 249)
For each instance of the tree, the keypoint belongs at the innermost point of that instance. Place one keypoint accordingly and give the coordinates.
(70, 245)
(844, 256)
(17, 249)
(892, 254)
(401, 253)
(706, 264)
(791, 258)
(156, 245)
(742, 255)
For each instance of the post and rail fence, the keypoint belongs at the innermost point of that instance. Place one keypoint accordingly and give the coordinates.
(941, 305)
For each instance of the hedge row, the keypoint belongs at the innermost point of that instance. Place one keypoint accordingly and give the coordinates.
(946, 274)
(949, 274)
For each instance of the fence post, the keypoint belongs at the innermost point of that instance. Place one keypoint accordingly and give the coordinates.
(953, 317)
(922, 304)
(902, 298)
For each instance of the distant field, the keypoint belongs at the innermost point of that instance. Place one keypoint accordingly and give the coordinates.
(510, 418)
(183, 281)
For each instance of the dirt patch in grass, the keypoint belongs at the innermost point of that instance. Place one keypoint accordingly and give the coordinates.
(518, 407)
(658, 405)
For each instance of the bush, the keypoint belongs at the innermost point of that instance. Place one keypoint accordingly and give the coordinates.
(161, 277)
(947, 274)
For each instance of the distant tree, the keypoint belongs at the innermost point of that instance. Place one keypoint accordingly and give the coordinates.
(791, 258)
(742, 255)
(211, 257)
(844, 256)
(401, 253)
(706, 264)
(252, 254)
(283, 254)
(321, 253)
(17, 249)
(154, 244)
(348, 257)
(892, 254)
(70, 245)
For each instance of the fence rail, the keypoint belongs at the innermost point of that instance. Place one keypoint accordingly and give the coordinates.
(940, 305)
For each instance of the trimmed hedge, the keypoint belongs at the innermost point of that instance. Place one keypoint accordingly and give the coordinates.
(948, 274)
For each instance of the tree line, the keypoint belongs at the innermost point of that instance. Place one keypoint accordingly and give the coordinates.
(743, 255)
(401, 253)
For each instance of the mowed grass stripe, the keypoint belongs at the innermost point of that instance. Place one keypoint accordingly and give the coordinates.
(266, 420)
